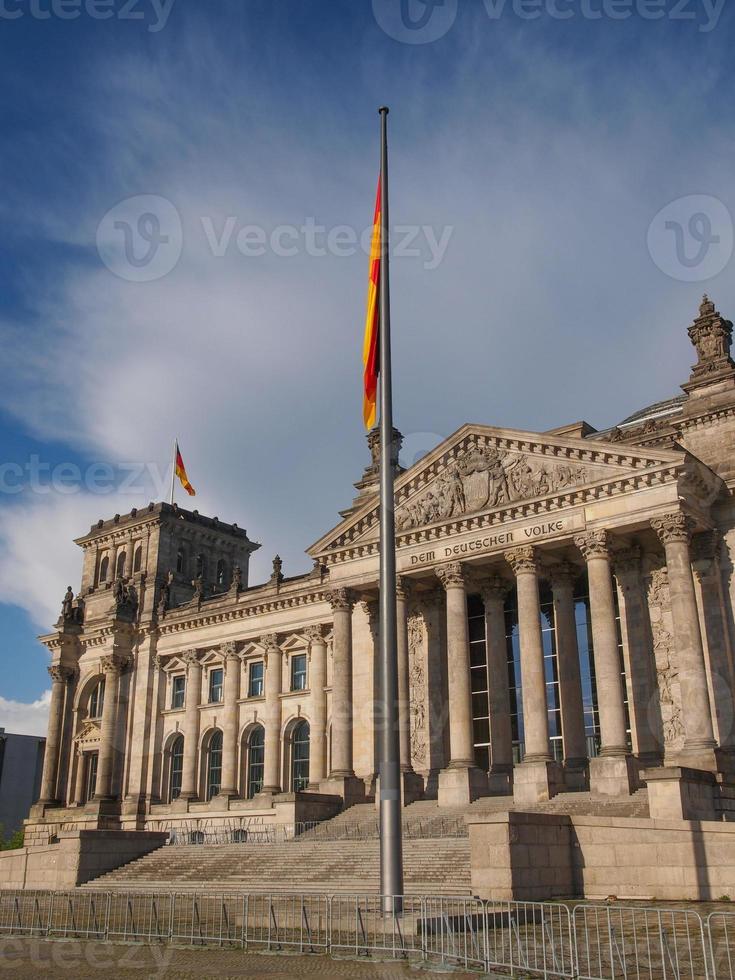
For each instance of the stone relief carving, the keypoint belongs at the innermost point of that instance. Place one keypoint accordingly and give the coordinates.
(485, 478)
(417, 690)
(659, 600)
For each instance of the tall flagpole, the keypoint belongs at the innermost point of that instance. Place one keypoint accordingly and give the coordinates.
(173, 470)
(391, 845)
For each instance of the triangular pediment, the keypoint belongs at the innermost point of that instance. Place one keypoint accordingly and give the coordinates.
(89, 733)
(482, 469)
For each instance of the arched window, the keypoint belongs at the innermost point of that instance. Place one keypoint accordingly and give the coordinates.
(120, 566)
(201, 566)
(104, 569)
(177, 767)
(179, 560)
(138, 558)
(214, 765)
(300, 756)
(256, 758)
(97, 700)
(221, 572)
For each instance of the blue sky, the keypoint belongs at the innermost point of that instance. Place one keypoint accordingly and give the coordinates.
(538, 283)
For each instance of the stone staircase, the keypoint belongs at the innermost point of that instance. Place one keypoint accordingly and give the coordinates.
(575, 804)
(432, 867)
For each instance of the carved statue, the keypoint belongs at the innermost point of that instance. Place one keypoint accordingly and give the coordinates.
(67, 606)
(711, 335)
(236, 579)
(118, 590)
(277, 575)
(164, 598)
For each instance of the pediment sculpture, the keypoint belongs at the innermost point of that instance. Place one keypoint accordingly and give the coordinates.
(482, 479)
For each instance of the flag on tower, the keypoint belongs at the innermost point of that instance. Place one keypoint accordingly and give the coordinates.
(371, 345)
(180, 471)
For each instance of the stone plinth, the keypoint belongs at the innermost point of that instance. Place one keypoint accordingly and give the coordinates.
(613, 775)
(681, 794)
(411, 787)
(350, 788)
(537, 781)
(461, 785)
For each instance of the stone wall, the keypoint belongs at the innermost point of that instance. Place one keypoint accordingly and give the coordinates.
(537, 857)
(79, 856)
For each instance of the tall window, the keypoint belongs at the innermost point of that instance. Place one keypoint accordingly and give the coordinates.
(298, 672)
(215, 685)
(104, 569)
(221, 572)
(255, 680)
(551, 672)
(91, 779)
(138, 558)
(97, 700)
(120, 566)
(300, 756)
(179, 560)
(200, 566)
(178, 691)
(177, 767)
(256, 758)
(214, 765)
(479, 682)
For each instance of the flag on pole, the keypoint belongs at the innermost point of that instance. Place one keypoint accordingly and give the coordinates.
(371, 346)
(180, 471)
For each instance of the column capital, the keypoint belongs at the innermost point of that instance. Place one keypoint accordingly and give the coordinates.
(404, 588)
(190, 658)
(269, 642)
(341, 600)
(563, 575)
(494, 588)
(452, 576)
(229, 652)
(593, 544)
(371, 608)
(59, 673)
(113, 664)
(522, 559)
(627, 561)
(674, 527)
(315, 635)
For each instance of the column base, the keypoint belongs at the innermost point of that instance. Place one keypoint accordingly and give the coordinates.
(461, 785)
(536, 781)
(350, 788)
(613, 775)
(411, 787)
(678, 793)
(500, 782)
(576, 774)
(705, 757)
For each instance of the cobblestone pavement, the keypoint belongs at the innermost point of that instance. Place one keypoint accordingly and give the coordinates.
(23, 959)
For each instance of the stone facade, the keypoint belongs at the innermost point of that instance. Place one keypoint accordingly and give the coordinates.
(565, 615)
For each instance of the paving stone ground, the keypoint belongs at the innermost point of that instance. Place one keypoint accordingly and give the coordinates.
(23, 959)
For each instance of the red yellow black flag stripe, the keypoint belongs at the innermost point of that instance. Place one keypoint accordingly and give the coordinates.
(181, 473)
(370, 348)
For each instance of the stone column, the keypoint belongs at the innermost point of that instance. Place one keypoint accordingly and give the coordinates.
(412, 785)
(461, 782)
(574, 738)
(189, 788)
(612, 773)
(79, 780)
(493, 594)
(341, 601)
(538, 777)
(230, 725)
(640, 662)
(59, 679)
(674, 531)
(317, 683)
(112, 667)
(273, 687)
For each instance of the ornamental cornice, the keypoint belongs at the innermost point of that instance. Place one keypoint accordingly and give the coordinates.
(593, 544)
(189, 619)
(522, 560)
(519, 510)
(674, 527)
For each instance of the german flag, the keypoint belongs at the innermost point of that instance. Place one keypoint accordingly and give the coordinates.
(371, 348)
(181, 473)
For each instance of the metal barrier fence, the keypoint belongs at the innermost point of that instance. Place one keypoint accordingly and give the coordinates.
(184, 833)
(516, 939)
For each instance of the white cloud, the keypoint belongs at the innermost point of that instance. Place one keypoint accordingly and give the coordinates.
(19, 718)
